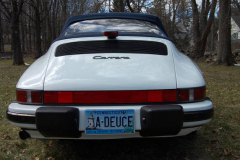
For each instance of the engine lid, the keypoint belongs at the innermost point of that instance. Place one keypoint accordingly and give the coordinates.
(111, 71)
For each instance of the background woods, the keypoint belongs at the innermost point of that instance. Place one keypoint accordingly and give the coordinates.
(28, 27)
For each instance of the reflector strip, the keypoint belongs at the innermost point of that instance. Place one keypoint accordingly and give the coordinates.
(155, 96)
(65, 97)
(91, 97)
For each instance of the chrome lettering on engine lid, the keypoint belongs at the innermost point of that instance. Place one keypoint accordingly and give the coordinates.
(100, 57)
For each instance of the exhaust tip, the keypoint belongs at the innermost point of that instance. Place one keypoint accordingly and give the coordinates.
(24, 135)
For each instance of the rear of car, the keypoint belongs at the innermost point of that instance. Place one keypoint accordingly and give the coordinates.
(111, 76)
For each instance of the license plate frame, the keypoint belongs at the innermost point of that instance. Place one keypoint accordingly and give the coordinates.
(109, 122)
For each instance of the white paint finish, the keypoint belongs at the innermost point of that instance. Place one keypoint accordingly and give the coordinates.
(140, 72)
(183, 132)
(188, 74)
(82, 72)
(31, 109)
(187, 107)
(197, 123)
(33, 77)
(197, 106)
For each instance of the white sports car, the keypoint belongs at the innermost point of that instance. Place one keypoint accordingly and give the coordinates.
(112, 75)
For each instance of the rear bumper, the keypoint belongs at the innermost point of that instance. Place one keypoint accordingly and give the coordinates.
(189, 116)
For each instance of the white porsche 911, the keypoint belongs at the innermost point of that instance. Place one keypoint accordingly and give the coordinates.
(112, 75)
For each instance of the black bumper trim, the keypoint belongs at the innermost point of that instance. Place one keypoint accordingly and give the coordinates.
(188, 116)
(198, 115)
(21, 118)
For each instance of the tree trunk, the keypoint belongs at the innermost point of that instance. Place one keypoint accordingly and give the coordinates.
(16, 44)
(26, 35)
(225, 56)
(54, 21)
(38, 32)
(1, 35)
(200, 38)
(213, 36)
(23, 38)
(30, 31)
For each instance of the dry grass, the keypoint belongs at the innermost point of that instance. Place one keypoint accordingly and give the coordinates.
(216, 140)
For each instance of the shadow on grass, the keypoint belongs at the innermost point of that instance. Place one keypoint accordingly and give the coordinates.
(143, 148)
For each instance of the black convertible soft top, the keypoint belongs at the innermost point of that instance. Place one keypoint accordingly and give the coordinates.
(138, 16)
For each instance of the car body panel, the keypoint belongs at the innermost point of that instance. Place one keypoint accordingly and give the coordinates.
(139, 72)
(33, 77)
(188, 74)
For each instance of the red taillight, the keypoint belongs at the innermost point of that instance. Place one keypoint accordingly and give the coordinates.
(29, 96)
(170, 95)
(88, 97)
(199, 93)
(195, 94)
(111, 34)
(184, 95)
(36, 97)
(21, 96)
(50, 97)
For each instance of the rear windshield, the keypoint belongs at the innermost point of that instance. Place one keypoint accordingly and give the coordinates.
(120, 25)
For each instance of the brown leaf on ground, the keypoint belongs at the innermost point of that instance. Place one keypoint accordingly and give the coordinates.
(49, 144)
(7, 137)
(50, 158)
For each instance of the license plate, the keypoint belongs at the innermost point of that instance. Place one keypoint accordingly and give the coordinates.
(109, 122)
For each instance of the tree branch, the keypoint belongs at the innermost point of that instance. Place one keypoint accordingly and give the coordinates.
(20, 7)
(46, 13)
(129, 6)
(237, 4)
(28, 15)
(210, 20)
(8, 18)
(5, 8)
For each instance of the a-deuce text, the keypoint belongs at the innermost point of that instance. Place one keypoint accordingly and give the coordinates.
(115, 121)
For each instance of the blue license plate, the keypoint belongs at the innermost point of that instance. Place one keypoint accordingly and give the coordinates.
(109, 122)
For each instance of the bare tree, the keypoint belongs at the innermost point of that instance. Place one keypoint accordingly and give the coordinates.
(38, 19)
(118, 6)
(237, 4)
(1, 35)
(12, 14)
(136, 5)
(224, 49)
(202, 31)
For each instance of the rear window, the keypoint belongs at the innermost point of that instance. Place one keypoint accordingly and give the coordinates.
(120, 25)
(111, 46)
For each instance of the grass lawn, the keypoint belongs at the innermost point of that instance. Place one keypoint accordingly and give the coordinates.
(219, 139)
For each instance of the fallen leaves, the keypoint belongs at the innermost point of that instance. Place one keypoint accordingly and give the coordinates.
(7, 137)
(49, 144)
